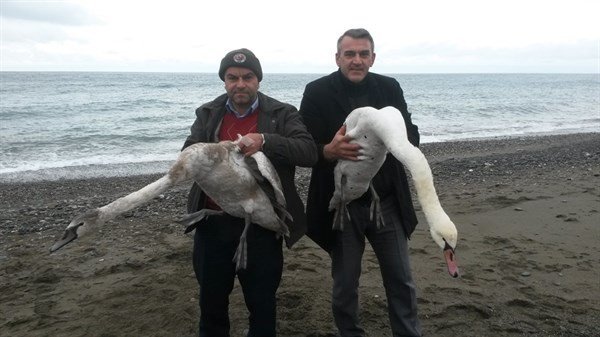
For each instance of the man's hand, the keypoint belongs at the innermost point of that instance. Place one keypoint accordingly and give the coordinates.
(251, 143)
(340, 147)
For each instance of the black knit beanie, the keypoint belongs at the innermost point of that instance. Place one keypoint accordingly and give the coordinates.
(243, 58)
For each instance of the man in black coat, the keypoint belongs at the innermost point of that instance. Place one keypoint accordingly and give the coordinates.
(325, 105)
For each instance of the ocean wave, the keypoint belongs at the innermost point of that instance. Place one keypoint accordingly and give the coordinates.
(86, 171)
(59, 120)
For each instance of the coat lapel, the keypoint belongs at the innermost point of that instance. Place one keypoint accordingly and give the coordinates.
(340, 97)
(265, 123)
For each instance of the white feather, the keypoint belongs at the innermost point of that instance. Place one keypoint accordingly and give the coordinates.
(379, 132)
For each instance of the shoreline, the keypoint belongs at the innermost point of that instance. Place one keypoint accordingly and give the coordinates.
(93, 171)
(527, 211)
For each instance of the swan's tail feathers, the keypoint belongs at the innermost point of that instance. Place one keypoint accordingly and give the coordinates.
(191, 220)
(283, 229)
(451, 261)
(241, 254)
(282, 215)
(282, 212)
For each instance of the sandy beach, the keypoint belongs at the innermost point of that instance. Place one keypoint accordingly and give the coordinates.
(526, 209)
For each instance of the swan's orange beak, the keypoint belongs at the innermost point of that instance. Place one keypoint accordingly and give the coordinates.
(451, 260)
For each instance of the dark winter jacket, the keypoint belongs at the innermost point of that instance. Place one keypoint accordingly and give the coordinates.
(287, 144)
(324, 108)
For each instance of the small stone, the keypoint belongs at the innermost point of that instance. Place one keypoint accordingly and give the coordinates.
(525, 274)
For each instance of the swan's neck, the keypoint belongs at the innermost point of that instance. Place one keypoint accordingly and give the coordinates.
(419, 169)
(135, 199)
(434, 213)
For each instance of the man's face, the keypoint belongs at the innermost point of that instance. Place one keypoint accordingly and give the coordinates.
(354, 58)
(241, 85)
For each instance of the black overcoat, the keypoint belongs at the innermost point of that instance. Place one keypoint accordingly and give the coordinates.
(324, 108)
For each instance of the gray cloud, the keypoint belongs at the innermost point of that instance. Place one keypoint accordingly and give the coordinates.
(60, 13)
(577, 56)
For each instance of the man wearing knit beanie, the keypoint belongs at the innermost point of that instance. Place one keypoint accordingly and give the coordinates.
(276, 129)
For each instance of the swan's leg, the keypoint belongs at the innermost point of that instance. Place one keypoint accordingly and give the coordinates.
(347, 213)
(344, 213)
(337, 221)
(241, 254)
(190, 220)
(340, 208)
(375, 209)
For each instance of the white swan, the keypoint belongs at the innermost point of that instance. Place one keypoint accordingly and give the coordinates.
(245, 187)
(379, 132)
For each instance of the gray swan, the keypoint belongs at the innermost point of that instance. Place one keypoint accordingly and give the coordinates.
(379, 132)
(245, 187)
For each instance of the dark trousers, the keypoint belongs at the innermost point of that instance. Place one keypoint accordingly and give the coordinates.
(215, 243)
(391, 248)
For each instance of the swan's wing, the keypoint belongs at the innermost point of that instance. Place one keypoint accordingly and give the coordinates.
(262, 169)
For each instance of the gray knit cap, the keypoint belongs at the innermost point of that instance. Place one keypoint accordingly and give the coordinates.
(243, 58)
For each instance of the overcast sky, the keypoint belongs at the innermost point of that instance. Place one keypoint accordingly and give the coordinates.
(419, 36)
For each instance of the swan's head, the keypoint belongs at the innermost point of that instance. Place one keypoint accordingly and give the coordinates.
(445, 235)
(80, 225)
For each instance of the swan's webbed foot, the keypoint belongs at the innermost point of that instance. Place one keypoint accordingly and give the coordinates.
(341, 215)
(191, 220)
(341, 209)
(375, 210)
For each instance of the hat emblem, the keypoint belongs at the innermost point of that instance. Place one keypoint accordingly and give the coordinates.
(239, 58)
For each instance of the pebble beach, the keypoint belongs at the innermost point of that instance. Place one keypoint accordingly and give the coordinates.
(527, 210)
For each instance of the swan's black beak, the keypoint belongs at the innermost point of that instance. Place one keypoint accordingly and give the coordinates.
(451, 260)
(70, 235)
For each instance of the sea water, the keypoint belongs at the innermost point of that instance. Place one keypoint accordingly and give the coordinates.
(82, 124)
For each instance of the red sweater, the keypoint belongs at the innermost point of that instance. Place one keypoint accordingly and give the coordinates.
(232, 126)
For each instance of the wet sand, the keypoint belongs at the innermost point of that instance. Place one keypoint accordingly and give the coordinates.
(526, 209)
